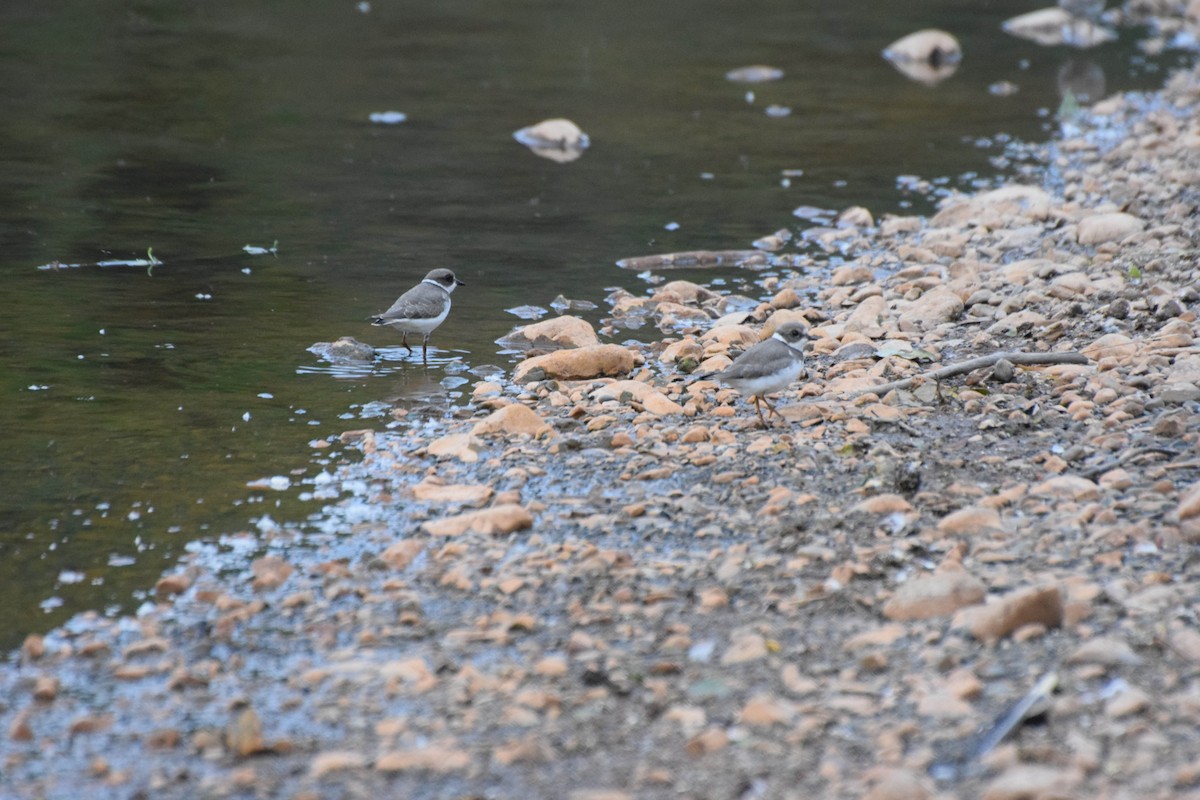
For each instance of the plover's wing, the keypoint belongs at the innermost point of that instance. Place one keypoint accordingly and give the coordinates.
(419, 302)
(760, 361)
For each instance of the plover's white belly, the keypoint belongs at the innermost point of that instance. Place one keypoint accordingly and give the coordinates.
(767, 384)
(420, 324)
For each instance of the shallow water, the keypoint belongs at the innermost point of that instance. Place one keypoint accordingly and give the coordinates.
(139, 401)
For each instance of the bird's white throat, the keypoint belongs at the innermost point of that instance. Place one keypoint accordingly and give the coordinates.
(442, 286)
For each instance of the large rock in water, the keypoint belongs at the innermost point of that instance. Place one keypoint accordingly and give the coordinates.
(597, 361)
(558, 332)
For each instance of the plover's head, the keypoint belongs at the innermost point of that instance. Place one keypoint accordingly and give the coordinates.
(793, 334)
(444, 278)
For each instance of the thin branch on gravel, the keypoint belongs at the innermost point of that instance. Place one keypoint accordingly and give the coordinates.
(1128, 457)
(970, 366)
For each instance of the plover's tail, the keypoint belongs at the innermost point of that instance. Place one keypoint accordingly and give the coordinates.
(378, 321)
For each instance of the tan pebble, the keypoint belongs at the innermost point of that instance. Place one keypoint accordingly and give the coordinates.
(270, 572)
(486, 389)
(796, 682)
(497, 520)
(620, 439)
(930, 310)
(963, 683)
(874, 661)
(882, 636)
(429, 491)
(1038, 604)
(463, 446)
(634, 510)
(881, 504)
(164, 739)
(1185, 642)
(943, 705)
(764, 711)
(685, 349)
(132, 672)
(90, 724)
(970, 521)
(531, 749)
(330, 761)
(786, 298)
(936, 595)
(892, 225)
(856, 427)
(660, 405)
(1107, 650)
(34, 646)
(244, 736)
(710, 740)
(899, 784)
(1029, 631)
(1116, 479)
(1110, 345)
(712, 598)
(400, 554)
(695, 435)
(1188, 774)
(600, 422)
(513, 420)
(177, 583)
(1072, 487)
(1126, 702)
(599, 794)
(743, 648)
(846, 275)
(1110, 227)
(867, 316)
(551, 667)
(432, 758)
(1031, 782)
(45, 688)
(511, 585)
(1189, 504)
(19, 730)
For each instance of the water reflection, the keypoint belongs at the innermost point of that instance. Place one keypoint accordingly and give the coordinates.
(1082, 79)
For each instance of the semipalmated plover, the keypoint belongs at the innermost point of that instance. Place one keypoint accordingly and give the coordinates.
(769, 366)
(422, 308)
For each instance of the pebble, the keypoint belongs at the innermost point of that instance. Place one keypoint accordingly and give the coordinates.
(1033, 605)
(937, 595)
(498, 520)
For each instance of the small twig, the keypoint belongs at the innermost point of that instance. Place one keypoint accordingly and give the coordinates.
(1127, 457)
(970, 366)
(1033, 703)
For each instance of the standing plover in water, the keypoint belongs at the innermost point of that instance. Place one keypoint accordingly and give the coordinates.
(422, 308)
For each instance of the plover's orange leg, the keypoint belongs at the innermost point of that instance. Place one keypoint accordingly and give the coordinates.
(759, 410)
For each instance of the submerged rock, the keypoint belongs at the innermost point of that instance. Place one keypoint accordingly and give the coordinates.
(556, 139)
(927, 56)
(345, 350)
(756, 73)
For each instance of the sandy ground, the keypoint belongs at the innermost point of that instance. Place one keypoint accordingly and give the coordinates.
(620, 586)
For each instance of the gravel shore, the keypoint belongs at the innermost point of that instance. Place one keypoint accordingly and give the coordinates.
(602, 579)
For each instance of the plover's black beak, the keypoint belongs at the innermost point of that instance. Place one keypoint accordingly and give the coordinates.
(460, 283)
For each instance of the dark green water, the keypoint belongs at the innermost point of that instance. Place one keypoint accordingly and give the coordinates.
(137, 403)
